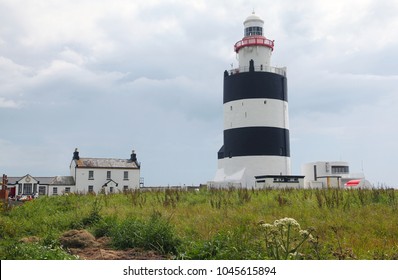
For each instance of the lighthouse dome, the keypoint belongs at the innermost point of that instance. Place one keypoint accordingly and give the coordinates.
(253, 17)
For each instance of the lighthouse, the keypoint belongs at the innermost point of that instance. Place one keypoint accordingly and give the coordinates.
(255, 104)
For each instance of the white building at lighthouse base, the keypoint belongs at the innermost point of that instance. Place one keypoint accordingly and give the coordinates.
(242, 171)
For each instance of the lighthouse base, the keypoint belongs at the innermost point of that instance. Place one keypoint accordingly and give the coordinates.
(242, 171)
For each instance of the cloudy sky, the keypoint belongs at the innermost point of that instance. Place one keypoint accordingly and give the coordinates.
(109, 76)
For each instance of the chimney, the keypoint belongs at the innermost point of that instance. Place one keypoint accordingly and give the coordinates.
(133, 156)
(76, 154)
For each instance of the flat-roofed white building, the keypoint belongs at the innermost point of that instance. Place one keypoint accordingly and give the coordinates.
(279, 181)
(328, 174)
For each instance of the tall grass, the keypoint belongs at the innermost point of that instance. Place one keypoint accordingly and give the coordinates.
(155, 234)
(218, 224)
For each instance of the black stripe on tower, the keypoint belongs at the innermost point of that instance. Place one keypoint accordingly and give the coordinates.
(255, 141)
(254, 85)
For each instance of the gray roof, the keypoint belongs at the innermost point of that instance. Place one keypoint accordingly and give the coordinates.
(106, 163)
(43, 180)
(13, 180)
(63, 180)
(57, 180)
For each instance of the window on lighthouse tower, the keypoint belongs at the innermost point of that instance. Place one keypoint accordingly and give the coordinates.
(253, 30)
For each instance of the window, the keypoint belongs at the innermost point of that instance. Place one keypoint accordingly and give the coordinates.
(340, 169)
(125, 175)
(286, 179)
(253, 30)
(27, 188)
(34, 188)
(67, 189)
(108, 174)
(125, 188)
(42, 190)
(91, 175)
(55, 191)
(90, 189)
(111, 189)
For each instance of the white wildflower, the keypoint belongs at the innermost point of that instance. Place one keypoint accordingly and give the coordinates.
(267, 226)
(311, 238)
(304, 233)
(287, 222)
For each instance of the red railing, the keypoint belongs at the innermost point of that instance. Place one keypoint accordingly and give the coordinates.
(254, 41)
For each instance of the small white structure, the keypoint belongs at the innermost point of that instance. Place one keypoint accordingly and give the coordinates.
(328, 174)
(281, 181)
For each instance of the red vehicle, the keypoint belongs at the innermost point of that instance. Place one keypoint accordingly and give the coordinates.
(352, 183)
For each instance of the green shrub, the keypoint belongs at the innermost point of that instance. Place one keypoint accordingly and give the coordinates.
(34, 251)
(155, 234)
(104, 227)
(235, 244)
(93, 217)
(7, 228)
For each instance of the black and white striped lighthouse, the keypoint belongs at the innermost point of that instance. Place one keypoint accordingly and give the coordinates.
(256, 127)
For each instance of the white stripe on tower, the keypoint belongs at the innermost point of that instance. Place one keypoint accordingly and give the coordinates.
(255, 112)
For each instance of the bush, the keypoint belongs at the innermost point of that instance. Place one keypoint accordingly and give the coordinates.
(236, 244)
(7, 228)
(34, 251)
(93, 217)
(104, 227)
(155, 234)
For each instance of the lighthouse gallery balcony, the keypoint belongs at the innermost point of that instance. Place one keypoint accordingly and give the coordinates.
(254, 41)
(277, 70)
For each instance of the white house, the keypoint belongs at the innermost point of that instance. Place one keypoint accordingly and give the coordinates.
(88, 175)
(107, 175)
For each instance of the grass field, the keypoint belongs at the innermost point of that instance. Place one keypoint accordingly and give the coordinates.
(214, 224)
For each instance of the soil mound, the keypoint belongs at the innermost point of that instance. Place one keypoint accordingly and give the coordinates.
(78, 239)
(83, 244)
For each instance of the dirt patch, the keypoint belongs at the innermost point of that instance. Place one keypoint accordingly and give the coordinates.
(30, 239)
(109, 254)
(83, 244)
(78, 239)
